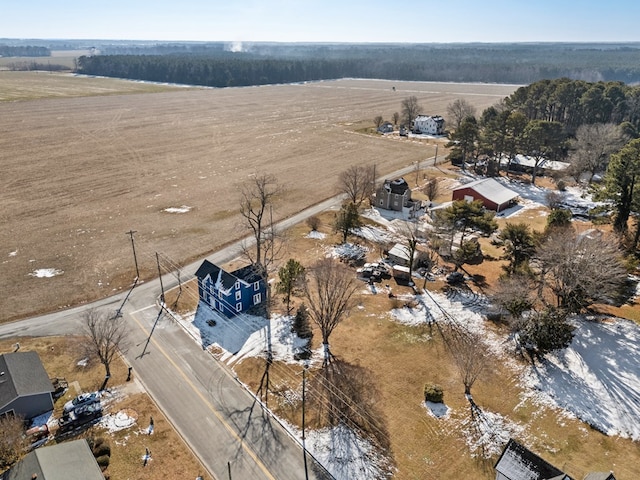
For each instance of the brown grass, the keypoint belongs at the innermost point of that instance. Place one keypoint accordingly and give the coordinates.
(85, 160)
(171, 457)
(400, 359)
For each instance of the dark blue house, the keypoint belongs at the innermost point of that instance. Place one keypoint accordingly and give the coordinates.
(230, 293)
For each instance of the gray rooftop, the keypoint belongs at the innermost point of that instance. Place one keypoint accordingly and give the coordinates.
(65, 461)
(22, 374)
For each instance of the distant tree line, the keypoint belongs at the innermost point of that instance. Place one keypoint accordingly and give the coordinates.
(24, 51)
(32, 66)
(257, 64)
(212, 72)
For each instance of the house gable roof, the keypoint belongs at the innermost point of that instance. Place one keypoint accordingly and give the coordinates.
(519, 463)
(600, 476)
(65, 461)
(227, 280)
(22, 374)
(491, 190)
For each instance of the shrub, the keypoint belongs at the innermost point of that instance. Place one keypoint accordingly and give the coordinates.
(313, 222)
(95, 443)
(561, 184)
(103, 461)
(433, 393)
(102, 450)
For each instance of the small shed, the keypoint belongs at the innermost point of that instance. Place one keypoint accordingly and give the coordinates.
(25, 387)
(398, 254)
(492, 194)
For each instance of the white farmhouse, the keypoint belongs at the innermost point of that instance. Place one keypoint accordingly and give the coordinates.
(431, 125)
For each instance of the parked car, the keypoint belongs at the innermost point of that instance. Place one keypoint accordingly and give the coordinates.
(81, 400)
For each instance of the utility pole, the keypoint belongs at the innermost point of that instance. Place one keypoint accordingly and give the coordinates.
(304, 447)
(435, 158)
(160, 277)
(135, 259)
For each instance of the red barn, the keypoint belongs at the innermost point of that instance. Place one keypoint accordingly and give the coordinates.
(492, 194)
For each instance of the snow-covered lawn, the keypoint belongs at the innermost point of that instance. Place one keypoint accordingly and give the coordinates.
(597, 378)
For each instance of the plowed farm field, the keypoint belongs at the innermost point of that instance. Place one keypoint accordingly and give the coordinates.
(84, 160)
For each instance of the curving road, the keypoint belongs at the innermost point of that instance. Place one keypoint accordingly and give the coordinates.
(221, 422)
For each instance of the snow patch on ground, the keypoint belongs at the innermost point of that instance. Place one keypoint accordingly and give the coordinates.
(46, 272)
(348, 251)
(437, 410)
(316, 234)
(375, 234)
(118, 421)
(243, 335)
(182, 209)
(486, 433)
(346, 455)
(597, 378)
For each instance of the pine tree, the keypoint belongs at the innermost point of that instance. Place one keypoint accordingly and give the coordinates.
(301, 325)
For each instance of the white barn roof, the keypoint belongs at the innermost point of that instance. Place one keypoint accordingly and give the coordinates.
(491, 190)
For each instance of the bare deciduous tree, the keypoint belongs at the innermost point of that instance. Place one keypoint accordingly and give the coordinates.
(431, 189)
(410, 109)
(395, 118)
(411, 237)
(378, 120)
(357, 183)
(460, 109)
(12, 440)
(580, 269)
(469, 356)
(329, 289)
(593, 145)
(514, 295)
(255, 208)
(107, 335)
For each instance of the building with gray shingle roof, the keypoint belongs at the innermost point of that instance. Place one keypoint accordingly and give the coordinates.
(25, 387)
(64, 461)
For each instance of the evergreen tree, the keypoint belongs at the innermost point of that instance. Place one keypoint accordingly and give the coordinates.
(291, 275)
(347, 219)
(622, 178)
(301, 324)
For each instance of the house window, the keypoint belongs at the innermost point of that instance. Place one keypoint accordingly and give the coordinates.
(256, 286)
(381, 202)
(238, 285)
(238, 307)
(238, 295)
(257, 298)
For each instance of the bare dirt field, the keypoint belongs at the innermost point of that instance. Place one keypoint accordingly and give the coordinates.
(98, 157)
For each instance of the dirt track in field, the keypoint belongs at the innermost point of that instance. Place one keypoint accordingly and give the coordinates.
(79, 172)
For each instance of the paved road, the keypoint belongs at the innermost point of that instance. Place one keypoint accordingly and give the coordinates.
(216, 416)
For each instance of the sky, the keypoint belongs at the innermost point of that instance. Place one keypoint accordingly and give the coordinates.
(369, 21)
